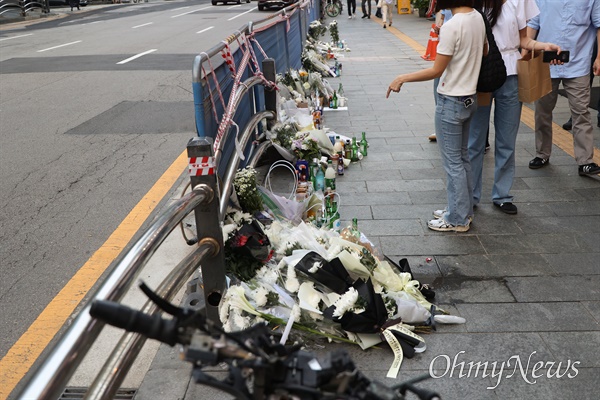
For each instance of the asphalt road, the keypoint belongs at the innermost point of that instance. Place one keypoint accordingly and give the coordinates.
(94, 107)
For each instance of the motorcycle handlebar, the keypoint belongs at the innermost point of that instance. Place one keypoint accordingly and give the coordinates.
(151, 326)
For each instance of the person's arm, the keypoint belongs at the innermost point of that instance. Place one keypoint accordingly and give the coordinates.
(597, 61)
(528, 43)
(439, 66)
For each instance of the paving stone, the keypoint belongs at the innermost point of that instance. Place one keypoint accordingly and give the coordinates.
(490, 265)
(589, 193)
(594, 309)
(403, 211)
(532, 243)
(391, 227)
(423, 170)
(530, 209)
(410, 155)
(468, 290)
(420, 139)
(499, 223)
(560, 182)
(437, 197)
(360, 212)
(343, 187)
(359, 199)
(400, 165)
(555, 288)
(370, 175)
(576, 346)
(404, 185)
(590, 224)
(457, 244)
(548, 196)
(526, 317)
(582, 384)
(167, 378)
(590, 208)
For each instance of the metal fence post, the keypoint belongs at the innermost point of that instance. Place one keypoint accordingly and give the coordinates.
(198, 95)
(269, 71)
(202, 170)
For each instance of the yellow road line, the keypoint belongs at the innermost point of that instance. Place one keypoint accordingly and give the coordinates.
(560, 137)
(30, 345)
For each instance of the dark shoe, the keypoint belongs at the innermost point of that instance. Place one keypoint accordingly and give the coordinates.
(567, 126)
(369, 16)
(589, 169)
(507, 208)
(364, 16)
(538, 162)
(383, 26)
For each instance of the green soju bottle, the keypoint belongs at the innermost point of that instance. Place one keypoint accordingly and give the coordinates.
(364, 144)
(354, 150)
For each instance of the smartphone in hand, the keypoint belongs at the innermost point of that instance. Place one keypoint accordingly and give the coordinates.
(553, 55)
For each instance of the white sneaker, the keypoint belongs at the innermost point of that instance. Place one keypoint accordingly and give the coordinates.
(350, 17)
(439, 213)
(442, 226)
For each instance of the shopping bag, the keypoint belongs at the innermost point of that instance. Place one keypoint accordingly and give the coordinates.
(534, 77)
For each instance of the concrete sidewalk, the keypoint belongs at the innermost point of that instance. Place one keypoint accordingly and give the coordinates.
(527, 284)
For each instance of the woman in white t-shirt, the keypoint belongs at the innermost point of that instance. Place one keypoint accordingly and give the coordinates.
(508, 19)
(458, 60)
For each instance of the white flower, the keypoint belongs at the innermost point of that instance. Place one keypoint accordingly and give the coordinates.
(260, 296)
(309, 298)
(345, 302)
(268, 274)
(241, 322)
(291, 284)
(295, 314)
(236, 297)
(315, 267)
(223, 312)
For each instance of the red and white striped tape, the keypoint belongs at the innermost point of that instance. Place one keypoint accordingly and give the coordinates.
(200, 166)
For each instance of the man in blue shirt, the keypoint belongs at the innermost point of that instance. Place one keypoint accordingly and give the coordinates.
(573, 25)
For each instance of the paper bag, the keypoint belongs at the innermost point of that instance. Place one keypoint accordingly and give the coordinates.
(534, 77)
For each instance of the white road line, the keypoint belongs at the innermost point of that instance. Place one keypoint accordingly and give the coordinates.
(96, 22)
(239, 15)
(189, 12)
(207, 29)
(229, 8)
(136, 56)
(14, 37)
(56, 47)
(139, 26)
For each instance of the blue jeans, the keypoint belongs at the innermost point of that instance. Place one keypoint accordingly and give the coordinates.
(507, 117)
(452, 120)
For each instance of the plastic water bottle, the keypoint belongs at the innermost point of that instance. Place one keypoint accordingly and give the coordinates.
(320, 181)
